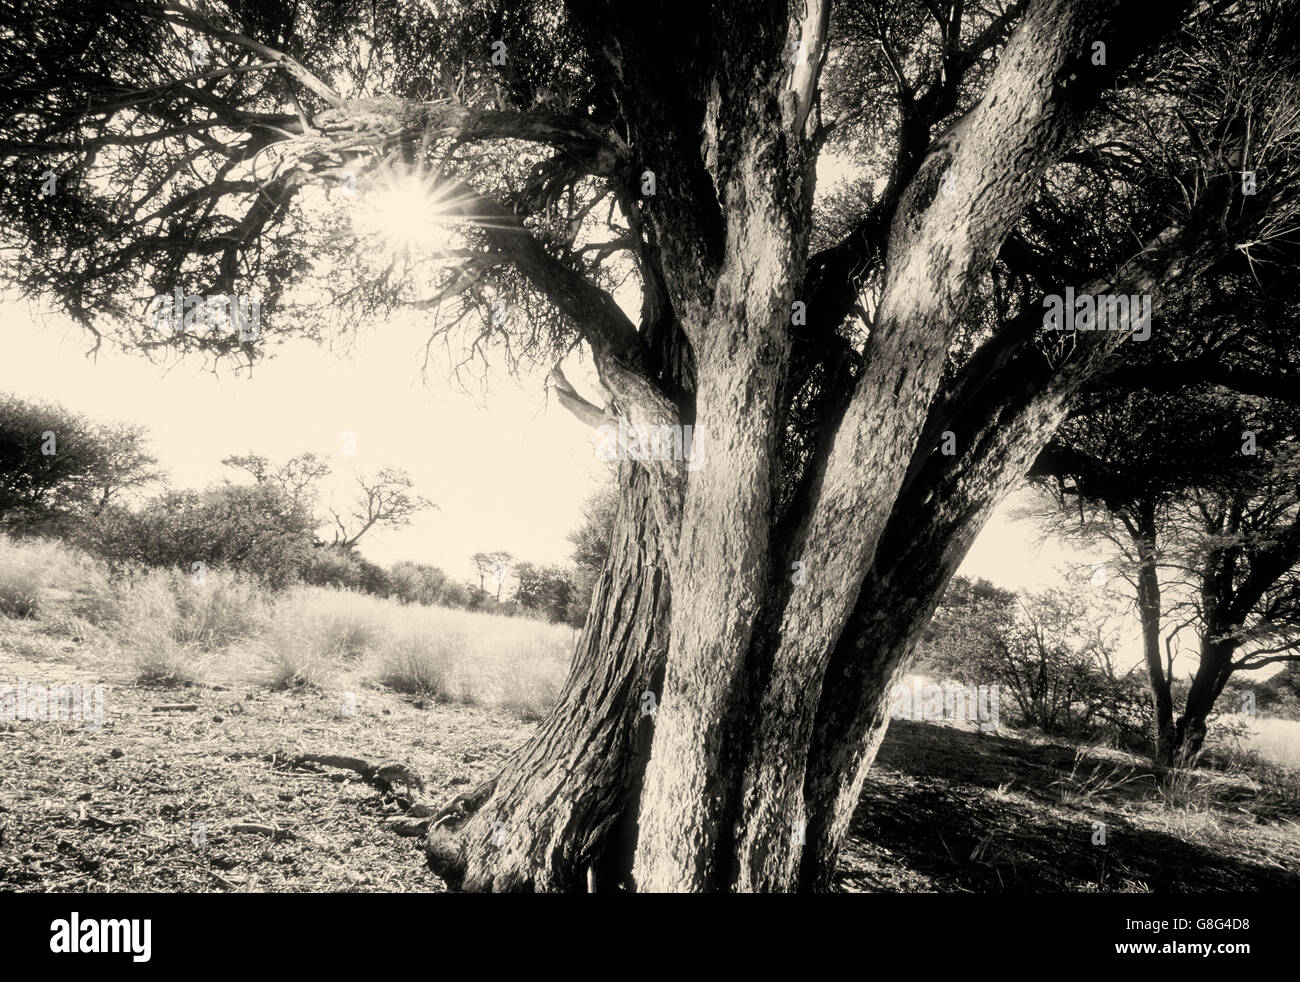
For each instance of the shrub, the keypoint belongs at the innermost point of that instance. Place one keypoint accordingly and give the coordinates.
(20, 591)
(343, 569)
(160, 660)
(295, 667)
(257, 530)
(422, 664)
(416, 583)
(222, 609)
(332, 624)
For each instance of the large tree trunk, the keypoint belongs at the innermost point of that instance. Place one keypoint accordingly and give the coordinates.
(1002, 410)
(724, 792)
(724, 543)
(565, 804)
(1211, 676)
(1148, 603)
(944, 504)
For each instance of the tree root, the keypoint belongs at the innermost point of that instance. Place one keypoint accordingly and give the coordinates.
(443, 850)
(383, 776)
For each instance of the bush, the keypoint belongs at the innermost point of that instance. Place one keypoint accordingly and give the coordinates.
(159, 660)
(422, 664)
(20, 591)
(1050, 653)
(455, 595)
(257, 530)
(326, 623)
(222, 609)
(545, 590)
(343, 569)
(416, 583)
(27, 566)
(294, 667)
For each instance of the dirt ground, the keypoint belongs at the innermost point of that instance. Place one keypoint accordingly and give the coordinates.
(208, 800)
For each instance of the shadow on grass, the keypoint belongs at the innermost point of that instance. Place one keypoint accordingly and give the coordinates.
(950, 810)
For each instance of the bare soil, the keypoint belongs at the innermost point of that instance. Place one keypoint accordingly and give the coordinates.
(209, 800)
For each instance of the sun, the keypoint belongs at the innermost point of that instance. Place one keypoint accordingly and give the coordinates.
(406, 215)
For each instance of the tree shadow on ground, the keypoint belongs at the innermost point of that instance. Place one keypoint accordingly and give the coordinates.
(951, 810)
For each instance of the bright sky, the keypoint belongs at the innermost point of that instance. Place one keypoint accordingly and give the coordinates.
(507, 471)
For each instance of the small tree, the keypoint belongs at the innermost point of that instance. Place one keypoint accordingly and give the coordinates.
(385, 500)
(55, 464)
(495, 565)
(1189, 490)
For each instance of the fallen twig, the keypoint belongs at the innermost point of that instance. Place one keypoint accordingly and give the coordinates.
(255, 827)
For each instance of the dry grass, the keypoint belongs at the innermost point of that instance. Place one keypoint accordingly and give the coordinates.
(22, 574)
(1087, 781)
(1275, 740)
(170, 628)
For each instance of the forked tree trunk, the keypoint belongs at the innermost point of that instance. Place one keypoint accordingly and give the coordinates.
(724, 791)
(564, 806)
(1211, 676)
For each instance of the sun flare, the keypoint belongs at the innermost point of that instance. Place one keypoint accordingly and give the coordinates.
(407, 215)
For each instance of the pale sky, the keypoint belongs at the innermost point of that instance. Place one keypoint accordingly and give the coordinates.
(508, 471)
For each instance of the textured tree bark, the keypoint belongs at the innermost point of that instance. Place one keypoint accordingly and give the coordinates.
(1211, 676)
(740, 715)
(1148, 601)
(566, 802)
(939, 244)
(722, 577)
(928, 535)
(1002, 411)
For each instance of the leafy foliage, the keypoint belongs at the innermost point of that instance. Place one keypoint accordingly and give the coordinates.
(56, 464)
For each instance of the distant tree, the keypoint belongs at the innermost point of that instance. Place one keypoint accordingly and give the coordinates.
(591, 538)
(591, 542)
(455, 594)
(495, 565)
(969, 615)
(528, 585)
(385, 500)
(298, 477)
(416, 583)
(1112, 475)
(1054, 657)
(1280, 695)
(546, 590)
(1191, 487)
(57, 464)
(483, 566)
(1236, 545)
